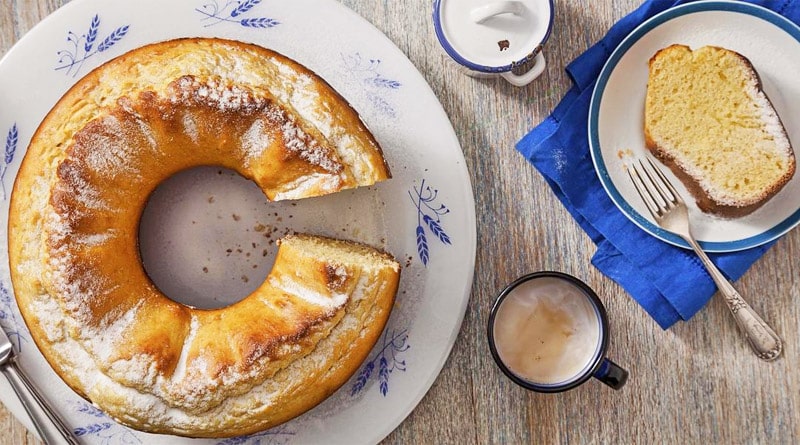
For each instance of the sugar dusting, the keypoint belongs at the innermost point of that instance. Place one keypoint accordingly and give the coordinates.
(255, 140)
(107, 152)
(307, 147)
(190, 127)
(214, 91)
(180, 369)
(104, 339)
(302, 186)
(772, 123)
(75, 183)
(226, 97)
(299, 289)
(300, 91)
(94, 239)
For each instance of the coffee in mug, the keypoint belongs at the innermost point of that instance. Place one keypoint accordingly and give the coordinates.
(548, 332)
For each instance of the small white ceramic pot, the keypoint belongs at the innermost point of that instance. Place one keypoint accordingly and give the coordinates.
(490, 38)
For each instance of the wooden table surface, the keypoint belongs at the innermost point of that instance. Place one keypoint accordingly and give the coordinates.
(698, 382)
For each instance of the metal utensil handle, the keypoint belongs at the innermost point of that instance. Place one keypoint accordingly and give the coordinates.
(48, 424)
(762, 338)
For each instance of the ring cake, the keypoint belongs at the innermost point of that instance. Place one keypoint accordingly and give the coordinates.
(145, 360)
(708, 119)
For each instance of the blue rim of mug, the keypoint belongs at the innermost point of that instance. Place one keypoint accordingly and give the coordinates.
(594, 364)
(437, 26)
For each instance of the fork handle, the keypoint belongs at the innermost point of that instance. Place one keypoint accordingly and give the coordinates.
(49, 425)
(762, 338)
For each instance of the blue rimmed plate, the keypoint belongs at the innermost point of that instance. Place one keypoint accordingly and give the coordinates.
(616, 115)
(424, 215)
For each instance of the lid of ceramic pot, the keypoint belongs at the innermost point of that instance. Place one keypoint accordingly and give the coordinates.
(492, 35)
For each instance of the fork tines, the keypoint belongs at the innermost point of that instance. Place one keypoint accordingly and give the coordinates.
(655, 189)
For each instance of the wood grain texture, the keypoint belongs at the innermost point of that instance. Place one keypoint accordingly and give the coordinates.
(695, 383)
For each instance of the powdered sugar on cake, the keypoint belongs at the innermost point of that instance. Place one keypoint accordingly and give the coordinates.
(295, 287)
(256, 140)
(307, 147)
(216, 92)
(106, 152)
(771, 120)
(300, 91)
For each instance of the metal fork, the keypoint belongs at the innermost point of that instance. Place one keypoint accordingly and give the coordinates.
(49, 425)
(670, 213)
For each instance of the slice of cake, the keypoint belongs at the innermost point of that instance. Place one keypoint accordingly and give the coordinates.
(708, 119)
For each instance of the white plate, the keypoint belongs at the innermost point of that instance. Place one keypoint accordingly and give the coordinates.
(430, 179)
(616, 117)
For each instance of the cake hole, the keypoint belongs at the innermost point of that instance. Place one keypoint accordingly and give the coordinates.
(202, 237)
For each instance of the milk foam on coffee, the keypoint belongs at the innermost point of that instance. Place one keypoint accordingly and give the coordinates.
(546, 331)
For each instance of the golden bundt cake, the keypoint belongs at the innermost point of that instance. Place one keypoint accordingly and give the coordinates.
(147, 361)
(708, 119)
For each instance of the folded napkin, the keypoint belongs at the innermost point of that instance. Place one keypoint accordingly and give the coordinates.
(670, 283)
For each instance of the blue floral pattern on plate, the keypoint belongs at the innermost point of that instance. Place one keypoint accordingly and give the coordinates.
(275, 436)
(234, 12)
(375, 84)
(8, 319)
(83, 46)
(102, 427)
(387, 358)
(12, 138)
(429, 215)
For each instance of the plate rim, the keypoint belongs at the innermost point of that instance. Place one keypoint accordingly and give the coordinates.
(753, 10)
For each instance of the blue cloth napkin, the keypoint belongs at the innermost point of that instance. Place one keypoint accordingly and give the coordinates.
(668, 282)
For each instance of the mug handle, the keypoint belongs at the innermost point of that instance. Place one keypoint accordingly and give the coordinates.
(523, 79)
(611, 374)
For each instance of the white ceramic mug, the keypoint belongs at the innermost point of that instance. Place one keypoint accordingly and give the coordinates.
(548, 332)
(493, 38)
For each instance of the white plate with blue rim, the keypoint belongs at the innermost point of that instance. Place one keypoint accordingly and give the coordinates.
(616, 115)
(424, 215)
